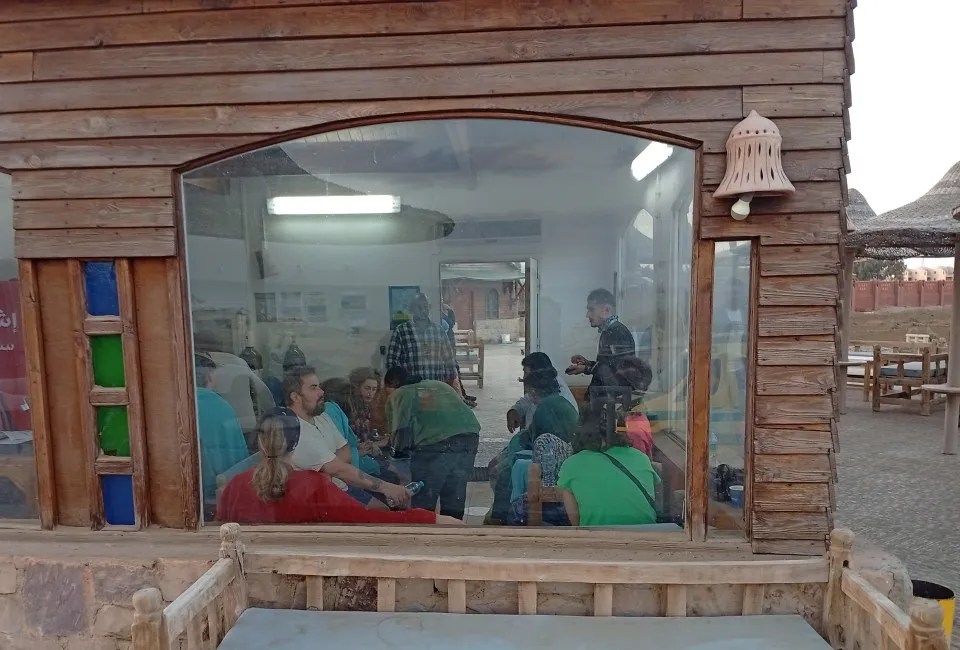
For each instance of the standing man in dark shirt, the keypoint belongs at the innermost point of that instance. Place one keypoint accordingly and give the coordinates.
(616, 341)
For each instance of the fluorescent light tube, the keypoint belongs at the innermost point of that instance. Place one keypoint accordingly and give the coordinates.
(351, 204)
(649, 159)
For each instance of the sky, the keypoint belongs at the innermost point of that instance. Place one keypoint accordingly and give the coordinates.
(905, 116)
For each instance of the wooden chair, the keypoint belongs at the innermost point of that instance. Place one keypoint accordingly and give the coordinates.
(470, 360)
(538, 494)
(897, 377)
(854, 613)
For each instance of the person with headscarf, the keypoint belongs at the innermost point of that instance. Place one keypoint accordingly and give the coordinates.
(274, 492)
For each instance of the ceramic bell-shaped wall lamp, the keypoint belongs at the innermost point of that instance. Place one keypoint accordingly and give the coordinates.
(753, 164)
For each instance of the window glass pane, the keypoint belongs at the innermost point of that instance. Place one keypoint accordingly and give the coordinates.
(113, 430)
(100, 279)
(118, 499)
(106, 354)
(443, 251)
(728, 378)
(18, 484)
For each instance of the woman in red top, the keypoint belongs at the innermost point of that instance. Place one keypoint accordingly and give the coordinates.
(275, 493)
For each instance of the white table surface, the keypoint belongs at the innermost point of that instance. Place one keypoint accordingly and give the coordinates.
(258, 629)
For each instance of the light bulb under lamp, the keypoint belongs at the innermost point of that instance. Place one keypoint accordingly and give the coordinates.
(741, 209)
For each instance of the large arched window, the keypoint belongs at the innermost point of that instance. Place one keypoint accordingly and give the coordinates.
(326, 252)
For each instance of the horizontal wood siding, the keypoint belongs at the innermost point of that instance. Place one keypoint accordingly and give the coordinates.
(101, 101)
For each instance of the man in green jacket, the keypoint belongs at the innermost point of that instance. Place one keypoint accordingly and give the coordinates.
(438, 432)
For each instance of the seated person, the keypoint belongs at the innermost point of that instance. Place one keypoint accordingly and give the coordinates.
(323, 447)
(549, 452)
(222, 443)
(431, 424)
(275, 492)
(521, 413)
(607, 482)
(553, 414)
(340, 406)
(636, 374)
(375, 441)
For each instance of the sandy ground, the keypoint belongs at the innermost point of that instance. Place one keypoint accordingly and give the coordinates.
(895, 324)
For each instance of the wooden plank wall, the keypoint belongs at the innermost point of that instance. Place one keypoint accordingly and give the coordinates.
(102, 99)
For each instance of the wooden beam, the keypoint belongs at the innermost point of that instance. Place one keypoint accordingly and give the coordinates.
(793, 409)
(456, 597)
(799, 260)
(109, 183)
(92, 213)
(134, 382)
(799, 290)
(351, 19)
(676, 600)
(96, 325)
(807, 100)
(795, 380)
(775, 9)
(799, 134)
(802, 439)
(636, 106)
(796, 351)
(797, 468)
(797, 321)
(782, 229)
(386, 594)
(100, 396)
(698, 406)
(536, 570)
(117, 465)
(810, 197)
(16, 66)
(684, 71)
(83, 371)
(792, 497)
(465, 48)
(527, 598)
(43, 447)
(790, 525)
(799, 166)
(95, 242)
(603, 600)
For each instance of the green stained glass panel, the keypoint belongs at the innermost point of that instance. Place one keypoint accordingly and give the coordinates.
(107, 357)
(114, 430)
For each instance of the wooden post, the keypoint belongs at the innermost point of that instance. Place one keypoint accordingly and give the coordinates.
(534, 495)
(456, 596)
(603, 600)
(386, 594)
(926, 627)
(846, 308)
(147, 628)
(951, 436)
(231, 547)
(841, 549)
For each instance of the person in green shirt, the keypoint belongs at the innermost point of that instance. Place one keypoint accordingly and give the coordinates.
(598, 492)
(431, 424)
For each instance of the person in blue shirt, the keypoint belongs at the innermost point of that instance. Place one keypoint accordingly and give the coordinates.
(222, 444)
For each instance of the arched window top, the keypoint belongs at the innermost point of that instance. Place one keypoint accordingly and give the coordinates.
(333, 246)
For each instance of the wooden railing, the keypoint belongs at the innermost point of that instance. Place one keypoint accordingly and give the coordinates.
(856, 615)
(202, 615)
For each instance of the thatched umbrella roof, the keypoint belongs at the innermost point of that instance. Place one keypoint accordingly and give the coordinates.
(858, 211)
(924, 228)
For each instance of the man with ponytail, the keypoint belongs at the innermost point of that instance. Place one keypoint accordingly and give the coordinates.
(275, 492)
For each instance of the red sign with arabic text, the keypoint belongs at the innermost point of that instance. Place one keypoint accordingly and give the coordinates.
(12, 358)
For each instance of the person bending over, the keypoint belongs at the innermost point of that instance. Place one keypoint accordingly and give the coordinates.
(431, 424)
(275, 492)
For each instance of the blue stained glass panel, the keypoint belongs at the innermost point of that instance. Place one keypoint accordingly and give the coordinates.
(118, 499)
(101, 283)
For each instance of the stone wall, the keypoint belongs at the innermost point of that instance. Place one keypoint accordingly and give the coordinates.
(61, 605)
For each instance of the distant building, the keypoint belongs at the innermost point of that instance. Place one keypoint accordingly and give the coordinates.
(929, 274)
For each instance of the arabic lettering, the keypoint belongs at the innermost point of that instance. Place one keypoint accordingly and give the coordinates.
(4, 320)
(7, 348)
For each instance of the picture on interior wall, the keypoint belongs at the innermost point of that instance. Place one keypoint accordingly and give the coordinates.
(291, 306)
(353, 302)
(315, 307)
(266, 307)
(400, 299)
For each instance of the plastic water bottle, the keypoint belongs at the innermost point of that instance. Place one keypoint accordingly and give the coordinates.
(413, 488)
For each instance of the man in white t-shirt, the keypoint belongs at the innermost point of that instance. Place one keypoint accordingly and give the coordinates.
(322, 446)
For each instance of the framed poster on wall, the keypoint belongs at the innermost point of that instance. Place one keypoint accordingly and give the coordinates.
(400, 299)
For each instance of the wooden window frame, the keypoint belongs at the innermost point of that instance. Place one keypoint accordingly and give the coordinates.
(701, 278)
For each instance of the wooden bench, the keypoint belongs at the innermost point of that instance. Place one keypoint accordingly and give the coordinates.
(898, 377)
(854, 614)
(470, 359)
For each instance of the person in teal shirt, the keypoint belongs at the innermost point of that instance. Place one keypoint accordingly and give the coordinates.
(222, 443)
(430, 423)
(554, 414)
(598, 492)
